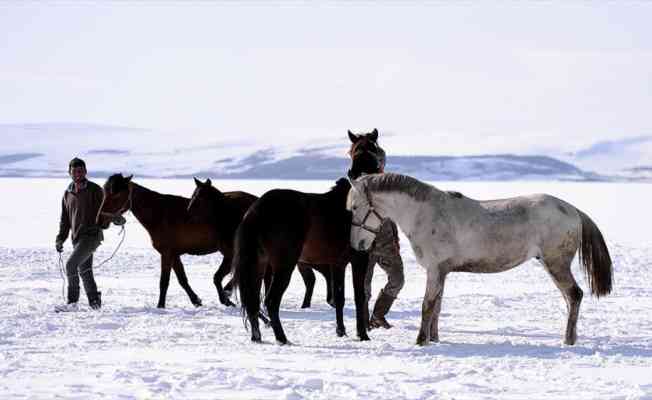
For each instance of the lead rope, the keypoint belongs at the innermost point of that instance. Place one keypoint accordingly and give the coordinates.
(63, 278)
(122, 232)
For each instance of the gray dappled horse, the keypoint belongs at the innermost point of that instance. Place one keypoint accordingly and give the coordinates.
(450, 233)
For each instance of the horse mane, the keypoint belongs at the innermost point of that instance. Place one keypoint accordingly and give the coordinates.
(389, 182)
(341, 185)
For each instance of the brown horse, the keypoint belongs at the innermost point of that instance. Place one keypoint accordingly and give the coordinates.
(174, 232)
(208, 203)
(364, 154)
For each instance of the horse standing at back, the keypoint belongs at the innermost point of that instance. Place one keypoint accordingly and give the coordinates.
(451, 233)
(364, 152)
(174, 232)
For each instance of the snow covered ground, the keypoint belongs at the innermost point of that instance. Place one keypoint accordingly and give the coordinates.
(501, 334)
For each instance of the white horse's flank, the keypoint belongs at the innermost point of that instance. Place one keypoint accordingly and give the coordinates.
(449, 232)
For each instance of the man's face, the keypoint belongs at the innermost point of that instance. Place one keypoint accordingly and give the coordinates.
(78, 174)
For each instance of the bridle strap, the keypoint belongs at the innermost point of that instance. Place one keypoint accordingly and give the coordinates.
(363, 224)
(372, 210)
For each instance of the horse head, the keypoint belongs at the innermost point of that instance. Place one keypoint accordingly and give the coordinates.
(366, 221)
(204, 197)
(367, 157)
(117, 198)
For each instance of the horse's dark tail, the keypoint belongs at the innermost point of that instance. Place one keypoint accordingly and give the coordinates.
(245, 269)
(594, 257)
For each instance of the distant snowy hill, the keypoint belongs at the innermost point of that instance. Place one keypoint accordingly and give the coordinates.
(43, 150)
(627, 158)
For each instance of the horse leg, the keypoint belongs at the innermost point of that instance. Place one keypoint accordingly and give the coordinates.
(338, 272)
(273, 301)
(327, 273)
(560, 272)
(359, 262)
(180, 272)
(434, 287)
(221, 272)
(434, 323)
(166, 268)
(253, 313)
(268, 278)
(309, 280)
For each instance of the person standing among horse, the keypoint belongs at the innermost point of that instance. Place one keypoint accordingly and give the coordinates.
(79, 206)
(386, 250)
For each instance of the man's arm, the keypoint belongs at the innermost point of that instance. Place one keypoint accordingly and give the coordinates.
(64, 225)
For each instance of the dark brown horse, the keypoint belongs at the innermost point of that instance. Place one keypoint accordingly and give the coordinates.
(364, 154)
(174, 232)
(208, 203)
(285, 227)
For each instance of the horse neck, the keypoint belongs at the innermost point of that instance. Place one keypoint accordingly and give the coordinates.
(144, 203)
(399, 207)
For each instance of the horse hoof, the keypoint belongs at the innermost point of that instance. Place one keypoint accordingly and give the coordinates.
(422, 341)
(227, 302)
(305, 305)
(341, 332)
(160, 306)
(364, 338)
(197, 303)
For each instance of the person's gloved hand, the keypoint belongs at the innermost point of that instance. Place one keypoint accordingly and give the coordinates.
(119, 220)
(59, 247)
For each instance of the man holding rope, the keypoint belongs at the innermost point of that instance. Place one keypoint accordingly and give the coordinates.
(79, 206)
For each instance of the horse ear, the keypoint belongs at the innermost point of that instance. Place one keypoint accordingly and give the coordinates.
(208, 182)
(353, 137)
(197, 181)
(374, 135)
(128, 179)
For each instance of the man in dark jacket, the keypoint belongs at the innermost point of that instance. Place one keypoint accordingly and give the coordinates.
(79, 206)
(386, 253)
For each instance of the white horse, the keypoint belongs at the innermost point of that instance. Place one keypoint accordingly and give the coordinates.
(449, 233)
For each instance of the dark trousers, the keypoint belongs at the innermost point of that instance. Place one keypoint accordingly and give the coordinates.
(393, 267)
(80, 264)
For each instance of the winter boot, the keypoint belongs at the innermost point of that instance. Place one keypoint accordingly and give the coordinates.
(95, 301)
(69, 307)
(383, 304)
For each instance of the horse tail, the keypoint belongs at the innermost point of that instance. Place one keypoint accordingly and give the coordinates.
(245, 268)
(594, 257)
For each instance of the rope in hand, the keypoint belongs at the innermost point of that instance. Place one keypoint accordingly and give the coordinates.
(63, 278)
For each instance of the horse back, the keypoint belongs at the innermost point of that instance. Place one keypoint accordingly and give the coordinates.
(327, 240)
(176, 232)
(503, 233)
(280, 221)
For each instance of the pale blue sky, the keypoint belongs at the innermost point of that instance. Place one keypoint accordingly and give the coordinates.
(528, 72)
